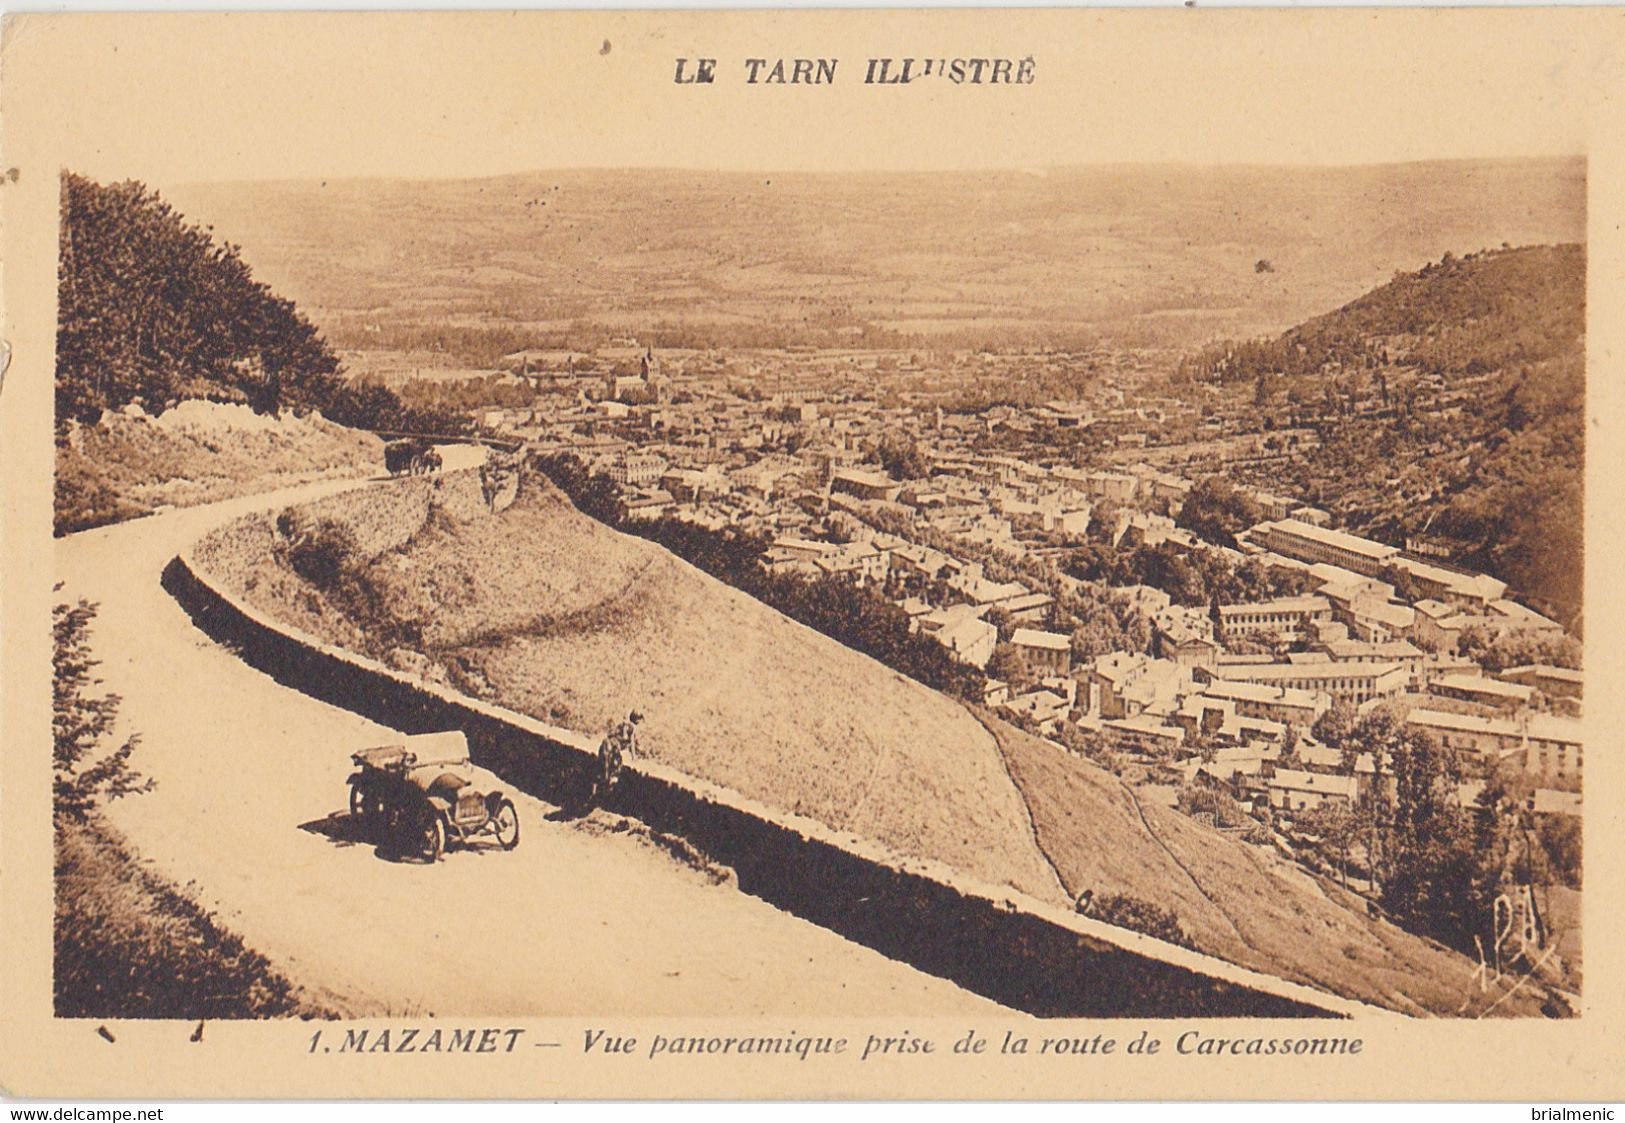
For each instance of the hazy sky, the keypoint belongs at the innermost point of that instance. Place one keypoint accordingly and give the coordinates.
(186, 98)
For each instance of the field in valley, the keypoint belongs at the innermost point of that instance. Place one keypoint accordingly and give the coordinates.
(1139, 255)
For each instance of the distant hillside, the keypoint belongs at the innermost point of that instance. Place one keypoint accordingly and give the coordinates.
(1450, 402)
(1159, 255)
(1459, 316)
(544, 610)
(1467, 315)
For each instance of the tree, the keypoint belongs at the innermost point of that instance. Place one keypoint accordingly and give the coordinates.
(1338, 829)
(1103, 520)
(1333, 727)
(1000, 618)
(1007, 664)
(1496, 649)
(1290, 740)
(1405, 585)
(901, 457)
(1425, 779)
(1216, 510)
(85, 770)
(1561, 838)
(1263, 390)
(1432, 871)
(151, 311)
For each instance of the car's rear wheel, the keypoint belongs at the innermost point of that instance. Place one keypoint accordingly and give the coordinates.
(366, 809)
(431, 837)
(506, 824)
(366, 803)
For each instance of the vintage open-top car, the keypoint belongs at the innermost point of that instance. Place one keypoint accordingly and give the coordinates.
(420, 794)
(413, 455)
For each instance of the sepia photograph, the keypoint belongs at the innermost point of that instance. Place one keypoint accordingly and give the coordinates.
(953, 595)
(751, 596)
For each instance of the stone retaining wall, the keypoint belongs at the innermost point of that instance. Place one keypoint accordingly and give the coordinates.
(993, 940)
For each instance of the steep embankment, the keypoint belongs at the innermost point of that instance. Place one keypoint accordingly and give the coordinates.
(1240, 902)
(128, 463)
(545, 611)
(553, 614)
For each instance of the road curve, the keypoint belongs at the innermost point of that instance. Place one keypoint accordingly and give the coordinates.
(575, 921)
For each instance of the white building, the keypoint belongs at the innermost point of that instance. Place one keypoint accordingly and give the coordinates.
(1043, 652)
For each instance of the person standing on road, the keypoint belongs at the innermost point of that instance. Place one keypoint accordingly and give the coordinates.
(620, 745)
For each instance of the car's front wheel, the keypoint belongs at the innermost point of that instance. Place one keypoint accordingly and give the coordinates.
(506, 825)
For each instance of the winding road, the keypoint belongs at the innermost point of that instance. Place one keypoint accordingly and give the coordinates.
(577, 920)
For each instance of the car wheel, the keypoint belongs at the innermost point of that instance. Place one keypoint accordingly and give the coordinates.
(506, 822)
(432, 838)
(367, 810)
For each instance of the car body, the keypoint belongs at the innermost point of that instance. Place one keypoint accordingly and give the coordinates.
(421, 795)
(412, 455)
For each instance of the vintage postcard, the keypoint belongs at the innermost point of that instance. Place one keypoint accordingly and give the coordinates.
(820, 554)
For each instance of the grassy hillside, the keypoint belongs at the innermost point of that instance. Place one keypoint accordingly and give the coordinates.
(131, 944)
(555, 615)
(1138, 254)
(1240, 902)
(546, 611)
(127, 465)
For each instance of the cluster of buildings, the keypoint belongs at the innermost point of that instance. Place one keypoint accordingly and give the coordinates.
(1231, 693)
(783, 444)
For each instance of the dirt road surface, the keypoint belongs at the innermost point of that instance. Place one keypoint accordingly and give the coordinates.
(249, 807)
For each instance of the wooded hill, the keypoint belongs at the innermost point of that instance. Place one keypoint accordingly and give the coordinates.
(153, 311)
(1449, 402)
(1467, 315)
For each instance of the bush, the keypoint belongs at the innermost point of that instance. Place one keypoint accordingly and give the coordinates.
(1202, 800)
(83, 499)
(326, 553)
(1140, 915)
(323, 554)
(86, 771)
(130, 944)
